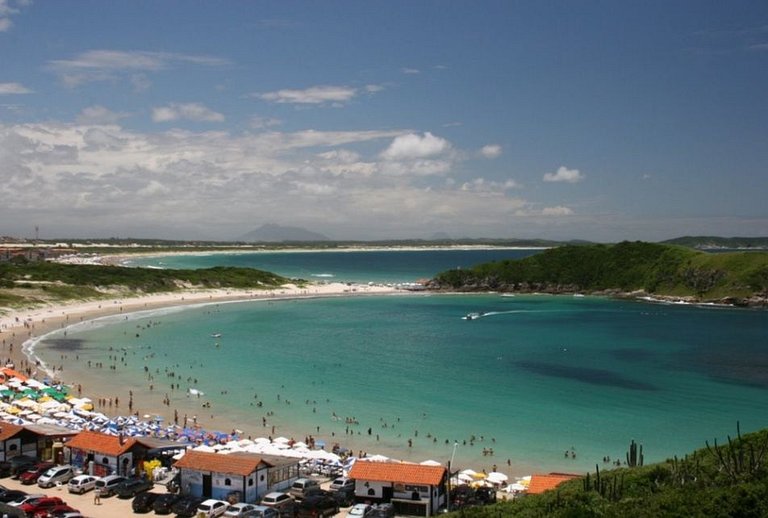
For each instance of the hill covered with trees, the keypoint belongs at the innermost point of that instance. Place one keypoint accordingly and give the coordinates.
(623, 268)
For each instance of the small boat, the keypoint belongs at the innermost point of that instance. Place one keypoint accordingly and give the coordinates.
(216, 335)
(472, 316)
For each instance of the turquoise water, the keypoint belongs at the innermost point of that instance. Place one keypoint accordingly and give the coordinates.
(534, 376)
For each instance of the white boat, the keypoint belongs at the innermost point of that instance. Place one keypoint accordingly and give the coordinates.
(472, 316)
(216, 335)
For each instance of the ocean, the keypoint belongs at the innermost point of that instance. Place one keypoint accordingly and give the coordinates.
(408, 376)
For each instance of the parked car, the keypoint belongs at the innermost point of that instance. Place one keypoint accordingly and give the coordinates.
(81, 484)
(144, 502)
(186, 506)
(164, 503)
(21, 463)
(239, 509)
(343, 484)
(318, 505)
(261, 511)
(9, 495)
(106, 485)
(58, 511)
(64, 512)
(385, 510)
(56, 475)
(33, 505)
(211, 508)
(30, 476)
(277, 500)
(22, 499)
(133, 486)
(301, 486)
(359, 510)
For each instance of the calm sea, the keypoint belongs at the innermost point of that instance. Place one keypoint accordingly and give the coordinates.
(534, 377)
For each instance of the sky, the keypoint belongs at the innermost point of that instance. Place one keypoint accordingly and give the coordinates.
(368, 120)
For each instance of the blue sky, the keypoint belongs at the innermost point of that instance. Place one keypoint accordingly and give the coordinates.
(377, 120)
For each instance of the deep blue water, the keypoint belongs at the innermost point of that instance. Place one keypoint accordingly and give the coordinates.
(391, 266)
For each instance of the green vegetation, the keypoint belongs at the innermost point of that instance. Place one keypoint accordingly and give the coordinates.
(33, 283)
(716, 481)
(625, 267)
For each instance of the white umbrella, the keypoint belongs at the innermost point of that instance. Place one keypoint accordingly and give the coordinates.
(377, 458)
(470, 472)
(430, 463)
(496, 477)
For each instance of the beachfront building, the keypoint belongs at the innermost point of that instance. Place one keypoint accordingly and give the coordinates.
(248, 476)
(16, 440)
(102, 454)
(413, 489)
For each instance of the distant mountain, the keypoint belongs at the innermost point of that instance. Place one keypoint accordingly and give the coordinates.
(273, 233)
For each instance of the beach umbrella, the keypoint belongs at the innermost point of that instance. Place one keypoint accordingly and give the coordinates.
(468, 471)
(496, 477)
(377, 458)
(517, 487)
(430, 463)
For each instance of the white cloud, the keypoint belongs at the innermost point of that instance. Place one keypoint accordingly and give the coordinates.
(491, 151)
(13, 89)
(187, 111)
(6, 11)
(312, 95)
(483, 185)
(556, 211)
(412, 146)
(410, 71)
(564, 174)
(99, 115)
(110, 65)
(372, 89)
(174, 183)
(257, 122)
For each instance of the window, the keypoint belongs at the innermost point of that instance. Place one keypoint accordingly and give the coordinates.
(227, 482)
(250, 481)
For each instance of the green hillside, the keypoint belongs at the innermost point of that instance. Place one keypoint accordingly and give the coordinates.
(625, 267)
(718, 480)
(34, 283)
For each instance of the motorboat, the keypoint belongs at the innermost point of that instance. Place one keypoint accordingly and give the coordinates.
(472, 316)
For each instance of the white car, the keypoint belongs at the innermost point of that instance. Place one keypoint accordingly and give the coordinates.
(81, 483)
(212, 507)
(359, 510)
(238, 509)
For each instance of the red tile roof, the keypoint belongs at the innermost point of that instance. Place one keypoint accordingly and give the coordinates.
(100, 443)
(8, 430)
(240, 464)
(541, 483)
(397, 472)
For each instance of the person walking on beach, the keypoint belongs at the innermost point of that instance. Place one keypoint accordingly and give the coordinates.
(97, 497)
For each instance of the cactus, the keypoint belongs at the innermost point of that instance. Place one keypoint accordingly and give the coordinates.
(633, 459)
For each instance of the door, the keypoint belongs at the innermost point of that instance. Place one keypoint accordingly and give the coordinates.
(207, 485)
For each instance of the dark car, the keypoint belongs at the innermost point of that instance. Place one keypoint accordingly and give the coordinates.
(31, 475)
(485, 495)
(164, 503)
(187, 505)
(318, 505)
(11, 494)
(144, 502)
(132, 487)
